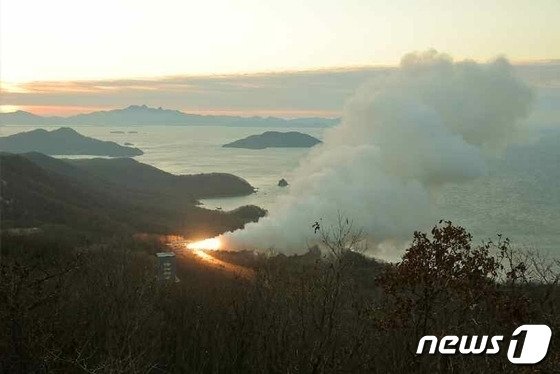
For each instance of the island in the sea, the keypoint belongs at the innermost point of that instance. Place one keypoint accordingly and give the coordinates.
(63, 141)
(275, 139)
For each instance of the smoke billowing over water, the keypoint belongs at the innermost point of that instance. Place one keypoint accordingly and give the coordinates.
(432, 122)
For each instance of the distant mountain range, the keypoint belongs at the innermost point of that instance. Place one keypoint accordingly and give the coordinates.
(63, 141)
(144, 115)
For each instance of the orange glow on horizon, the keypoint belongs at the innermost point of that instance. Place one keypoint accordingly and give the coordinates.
(51, 110)
(65, 111)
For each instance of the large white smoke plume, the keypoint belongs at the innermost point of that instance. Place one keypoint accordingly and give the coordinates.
(433, 121)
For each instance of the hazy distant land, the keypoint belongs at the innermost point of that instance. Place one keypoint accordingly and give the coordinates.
(144, 115)
(63, 141)
(275, 139)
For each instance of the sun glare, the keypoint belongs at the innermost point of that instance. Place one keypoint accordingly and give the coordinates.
(211, 244)
(9, 108)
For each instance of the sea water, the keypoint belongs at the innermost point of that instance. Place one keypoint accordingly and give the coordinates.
(520, 197)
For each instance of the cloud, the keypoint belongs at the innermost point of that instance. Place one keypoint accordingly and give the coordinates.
(403, 136)
(287, 94)
(296, 92)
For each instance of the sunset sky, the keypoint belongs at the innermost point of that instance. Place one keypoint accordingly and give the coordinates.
(51, 49)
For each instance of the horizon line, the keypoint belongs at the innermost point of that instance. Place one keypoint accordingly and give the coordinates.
(225, 113)
(267, 72)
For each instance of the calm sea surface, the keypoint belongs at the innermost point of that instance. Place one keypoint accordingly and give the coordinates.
(520, 198)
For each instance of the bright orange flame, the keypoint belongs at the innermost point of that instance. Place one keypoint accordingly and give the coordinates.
(212, 244)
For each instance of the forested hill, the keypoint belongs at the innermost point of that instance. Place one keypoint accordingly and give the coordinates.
(115, 195)
(131, 174)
